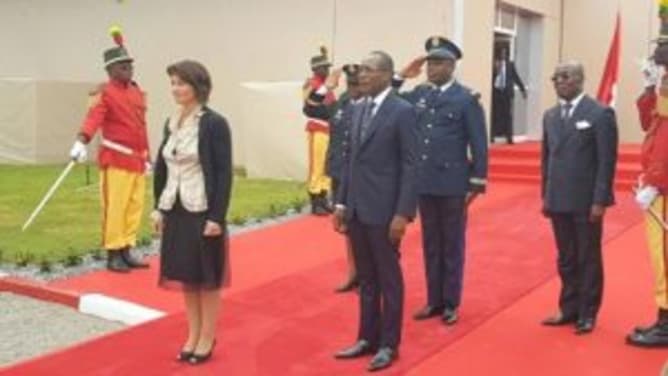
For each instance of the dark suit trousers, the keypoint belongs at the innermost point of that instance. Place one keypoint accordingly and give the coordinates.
(379, 273)
(580, 264)
(443, 220)
(502, 115)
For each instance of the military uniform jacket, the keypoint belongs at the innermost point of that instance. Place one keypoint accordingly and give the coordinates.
(453, 140)
(340, 127)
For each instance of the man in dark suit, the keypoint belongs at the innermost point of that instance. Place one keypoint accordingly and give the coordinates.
(451, 123)
(505, 79)
(578, 167)
(375, 203)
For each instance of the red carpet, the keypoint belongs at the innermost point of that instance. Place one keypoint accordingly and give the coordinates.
(252, 265)
(290, 324)
(513, 343)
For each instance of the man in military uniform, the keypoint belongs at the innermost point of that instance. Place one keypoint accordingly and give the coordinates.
(118, 111)
(317, 127)
(451, 123)
(340, 128)
(651, 195)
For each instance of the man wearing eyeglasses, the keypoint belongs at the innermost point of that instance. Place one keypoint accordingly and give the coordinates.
(579, 155)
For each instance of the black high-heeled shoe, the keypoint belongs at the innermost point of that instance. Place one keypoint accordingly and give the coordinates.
(184, 356)
(196, 359)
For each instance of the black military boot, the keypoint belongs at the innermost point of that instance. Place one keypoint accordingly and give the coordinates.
(317, 207)
(653, 336)
(131, 260)
(115, 262)
(641, 329)
(324, 201)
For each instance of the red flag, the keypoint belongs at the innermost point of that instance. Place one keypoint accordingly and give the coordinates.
(607, 89)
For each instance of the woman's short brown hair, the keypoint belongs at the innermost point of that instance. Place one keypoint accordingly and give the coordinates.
(195, 75)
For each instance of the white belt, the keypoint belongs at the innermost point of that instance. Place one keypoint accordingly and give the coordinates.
(324, 123)
(118, 147)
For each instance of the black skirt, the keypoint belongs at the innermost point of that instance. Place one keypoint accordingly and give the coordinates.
(189, 260)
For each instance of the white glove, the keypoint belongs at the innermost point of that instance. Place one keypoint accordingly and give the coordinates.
(78, 152)
(646, 196)
(148, 168)
(650, 73)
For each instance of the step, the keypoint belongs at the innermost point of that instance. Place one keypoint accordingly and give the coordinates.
(628, 153)
(620, 184)
(526, 167)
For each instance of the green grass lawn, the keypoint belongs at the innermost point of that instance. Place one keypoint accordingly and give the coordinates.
(69, 225)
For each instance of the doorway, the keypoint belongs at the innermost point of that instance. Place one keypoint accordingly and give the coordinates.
(520, 33)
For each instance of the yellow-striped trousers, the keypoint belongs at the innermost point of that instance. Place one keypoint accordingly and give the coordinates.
(657, 239)
(318, 181)
(122, 194)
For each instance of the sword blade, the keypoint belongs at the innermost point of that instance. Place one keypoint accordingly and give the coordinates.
(658, 219)
(48, 195)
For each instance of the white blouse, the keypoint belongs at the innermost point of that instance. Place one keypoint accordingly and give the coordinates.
(185, 177)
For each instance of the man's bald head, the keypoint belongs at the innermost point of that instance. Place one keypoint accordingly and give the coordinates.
(569, 79)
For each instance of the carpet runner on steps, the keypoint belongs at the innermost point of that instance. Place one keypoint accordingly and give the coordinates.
(520, 163)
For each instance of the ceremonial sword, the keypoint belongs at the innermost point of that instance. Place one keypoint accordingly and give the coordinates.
(48, 195)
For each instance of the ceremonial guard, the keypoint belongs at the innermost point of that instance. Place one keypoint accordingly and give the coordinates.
(118, 112)
(452, 126)
(653, 184)
(317, 128)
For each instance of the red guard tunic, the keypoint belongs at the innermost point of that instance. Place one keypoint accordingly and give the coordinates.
(119, 112)
(317, 124)
(654, 156)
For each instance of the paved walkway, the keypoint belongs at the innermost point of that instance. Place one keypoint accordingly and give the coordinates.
(30, 327)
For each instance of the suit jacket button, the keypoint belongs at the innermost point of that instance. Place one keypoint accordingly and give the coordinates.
(426, 140)
(429, 126)
(432, 111)
(424, 157)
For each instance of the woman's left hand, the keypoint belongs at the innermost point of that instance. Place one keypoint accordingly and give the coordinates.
(212, 228)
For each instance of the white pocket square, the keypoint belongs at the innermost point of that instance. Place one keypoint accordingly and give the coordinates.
(582, 124)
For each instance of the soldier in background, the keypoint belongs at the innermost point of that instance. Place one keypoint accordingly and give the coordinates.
(317, 128)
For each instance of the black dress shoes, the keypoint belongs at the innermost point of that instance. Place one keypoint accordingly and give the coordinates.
(351, 285)
(427, 313)
(585, 326)
(450, 316)
(383, 359)
(359, 349)
(115, 262)
(558, 320)
(132, 261)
